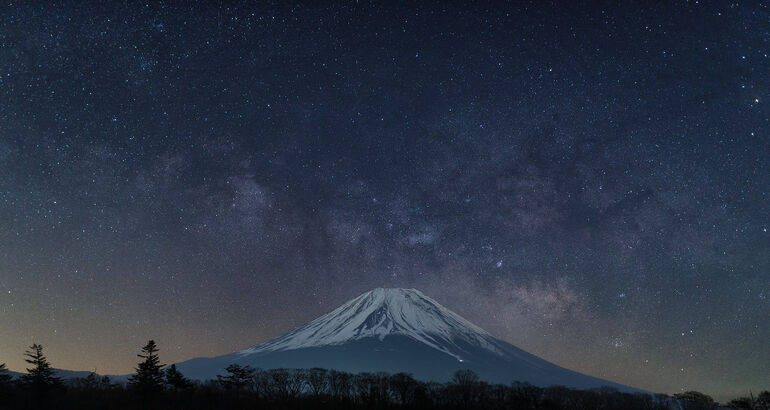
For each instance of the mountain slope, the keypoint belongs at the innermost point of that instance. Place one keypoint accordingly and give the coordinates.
(380, 313)
(397, 330)
(66, 375)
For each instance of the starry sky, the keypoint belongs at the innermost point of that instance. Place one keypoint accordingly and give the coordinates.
(590, 184)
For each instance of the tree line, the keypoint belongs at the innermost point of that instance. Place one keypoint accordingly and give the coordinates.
(157, 386)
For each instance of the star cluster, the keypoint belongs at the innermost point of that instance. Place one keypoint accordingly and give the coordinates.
(588, 183)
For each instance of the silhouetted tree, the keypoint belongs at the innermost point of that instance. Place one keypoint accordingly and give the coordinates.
(742, 403)
(525, 395)
(294, 389)
(92, 382)
(262, 385)
(436, 393)
(5, 378)
(5, 384)
(318, 381)
(465, 377)
(176, 379)
(278, 383)
(763, 400)
(695, 400)
(402, 385)
(238, 377)
(148, 379)
(371, 388)
(298, 379)
(39, 377)
(339, 384)
(363, 383)
(558, 397)
(498, 393)
(106, 383)
(464, 382)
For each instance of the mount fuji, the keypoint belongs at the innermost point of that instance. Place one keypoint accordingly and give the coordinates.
(397, 330)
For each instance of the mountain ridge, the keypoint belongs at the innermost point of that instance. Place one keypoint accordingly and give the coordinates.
(397, 330)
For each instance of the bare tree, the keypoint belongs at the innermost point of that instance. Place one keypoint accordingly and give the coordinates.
(296, 382)
(363, 385)
(263, 385)
(464, 382)
(339, 384)
(318, 381)
(403, 386)
(278, 380)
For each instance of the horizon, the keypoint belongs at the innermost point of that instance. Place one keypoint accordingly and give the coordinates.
(720, 398)
(588, 183)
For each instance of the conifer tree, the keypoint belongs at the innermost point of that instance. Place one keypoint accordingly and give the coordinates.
(176, 379)
(5, 378)
(148, 379)
(40, 377)
(5, 385)
(238, 377)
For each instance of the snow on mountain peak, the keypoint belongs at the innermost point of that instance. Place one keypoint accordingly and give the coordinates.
(382, 312)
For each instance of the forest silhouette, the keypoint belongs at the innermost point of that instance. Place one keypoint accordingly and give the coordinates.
(157, 386)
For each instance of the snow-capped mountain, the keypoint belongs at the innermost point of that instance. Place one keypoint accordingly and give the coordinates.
(397, 330)
(386, 312)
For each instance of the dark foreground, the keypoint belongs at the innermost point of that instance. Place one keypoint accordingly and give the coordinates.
(321, 389)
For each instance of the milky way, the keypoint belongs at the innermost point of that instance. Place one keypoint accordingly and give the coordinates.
(590, 184)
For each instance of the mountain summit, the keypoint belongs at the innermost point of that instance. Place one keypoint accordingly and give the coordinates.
(385, 312)
(397, 330)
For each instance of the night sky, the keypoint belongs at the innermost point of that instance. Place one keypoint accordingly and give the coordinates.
(590, 184)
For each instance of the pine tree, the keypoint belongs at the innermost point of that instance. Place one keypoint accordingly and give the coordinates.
(40, 377)
(238, 377)
(176, 380)
(148, 379)
(5, 378)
